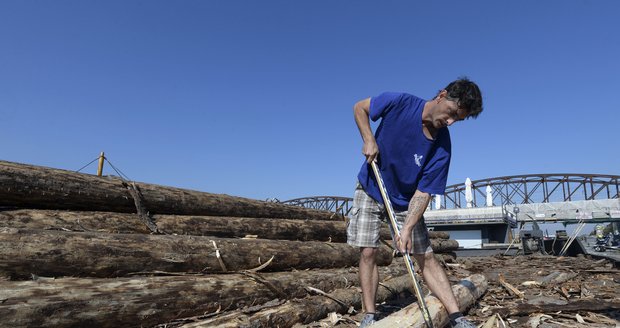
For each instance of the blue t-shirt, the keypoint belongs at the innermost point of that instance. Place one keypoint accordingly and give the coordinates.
(408, 160)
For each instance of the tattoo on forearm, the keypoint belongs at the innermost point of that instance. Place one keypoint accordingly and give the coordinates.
(417, 206)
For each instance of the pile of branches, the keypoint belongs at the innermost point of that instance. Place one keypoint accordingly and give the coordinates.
(545, 291)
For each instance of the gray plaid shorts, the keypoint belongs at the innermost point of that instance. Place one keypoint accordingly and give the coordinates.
(366, 217)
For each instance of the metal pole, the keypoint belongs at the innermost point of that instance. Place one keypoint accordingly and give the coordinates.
(100, 167)
(396, 233)
(516, 212)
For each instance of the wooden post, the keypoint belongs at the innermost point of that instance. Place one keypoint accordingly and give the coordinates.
(100, 167)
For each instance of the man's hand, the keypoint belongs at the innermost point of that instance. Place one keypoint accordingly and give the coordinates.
(370, 150)
(417, 206)
(404, 242)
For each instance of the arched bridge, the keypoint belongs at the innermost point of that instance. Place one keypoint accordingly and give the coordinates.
(335, 204)
(543, 196)
(534, 188)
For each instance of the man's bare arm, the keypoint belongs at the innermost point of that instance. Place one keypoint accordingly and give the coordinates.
(417, 206)
(361, 112)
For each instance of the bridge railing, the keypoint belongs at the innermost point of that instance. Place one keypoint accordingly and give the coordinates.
(501, 191)
(529, 189)
(337, 204)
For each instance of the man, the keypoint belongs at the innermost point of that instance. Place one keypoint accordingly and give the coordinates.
(412, 148)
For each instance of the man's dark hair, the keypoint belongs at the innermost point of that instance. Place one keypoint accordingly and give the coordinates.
(467, 96)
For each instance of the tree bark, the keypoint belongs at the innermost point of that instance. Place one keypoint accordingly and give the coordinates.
(224, 227)
(467, 291)
(440, 245)
(448, 257)
(439, 234)
(578, 305)
(146, 301)
(306, 310)
(444, 245)
(29, 186)
(59, 253)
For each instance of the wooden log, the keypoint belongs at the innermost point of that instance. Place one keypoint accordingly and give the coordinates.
(59, 253)
(225, 227)
(578, 305)
(146, 301)
(444, 245)
(306, 310)
(29, 186)
(556, 277)
(439, 234)
(385, 234)
(447, 257)
(439, 245)
(467, 291)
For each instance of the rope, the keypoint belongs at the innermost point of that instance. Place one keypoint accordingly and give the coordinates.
(83, 167)
(120, 174)
(135, 193)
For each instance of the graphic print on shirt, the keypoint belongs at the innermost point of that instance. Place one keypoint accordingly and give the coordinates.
(418, 159)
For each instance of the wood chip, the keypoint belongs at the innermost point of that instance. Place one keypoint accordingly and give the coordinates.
(579, 318)
(514, 291)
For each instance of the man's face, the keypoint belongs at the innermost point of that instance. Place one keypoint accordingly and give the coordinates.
(446, 112)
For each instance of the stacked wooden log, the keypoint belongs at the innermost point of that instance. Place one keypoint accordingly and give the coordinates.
(77, 249)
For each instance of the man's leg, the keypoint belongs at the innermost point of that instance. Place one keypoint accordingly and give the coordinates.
(435, 276)
(437, 280)
(363, 229)
(369, 277)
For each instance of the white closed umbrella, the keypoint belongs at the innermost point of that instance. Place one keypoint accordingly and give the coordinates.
(468, 195)
(437, 202)
(489, 196)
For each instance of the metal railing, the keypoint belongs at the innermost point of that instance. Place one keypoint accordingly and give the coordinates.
(507, 190)
(534, 188)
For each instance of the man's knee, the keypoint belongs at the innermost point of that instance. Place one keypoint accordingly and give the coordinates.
(368, 254)
(430, 256)
(424, 256)
(425, 259)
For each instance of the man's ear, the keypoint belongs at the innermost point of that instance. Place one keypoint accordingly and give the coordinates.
(442, 94)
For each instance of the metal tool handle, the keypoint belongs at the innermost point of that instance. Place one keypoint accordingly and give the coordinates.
(396, 233)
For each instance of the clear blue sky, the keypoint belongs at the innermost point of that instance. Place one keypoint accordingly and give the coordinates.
(254, 98)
